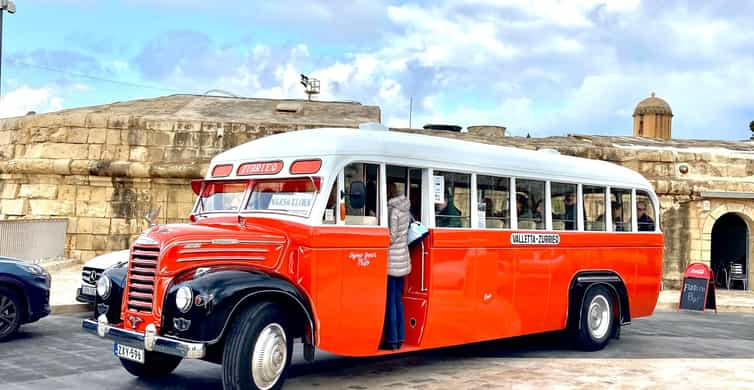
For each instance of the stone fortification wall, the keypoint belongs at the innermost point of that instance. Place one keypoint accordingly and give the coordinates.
(104, 167)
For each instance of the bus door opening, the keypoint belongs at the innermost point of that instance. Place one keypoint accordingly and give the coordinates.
(415, 293)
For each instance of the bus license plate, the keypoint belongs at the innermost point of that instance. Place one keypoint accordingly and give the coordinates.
(86, 290)
(130, 353)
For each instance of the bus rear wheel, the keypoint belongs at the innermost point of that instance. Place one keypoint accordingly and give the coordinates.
(258, 350)
(597, 319)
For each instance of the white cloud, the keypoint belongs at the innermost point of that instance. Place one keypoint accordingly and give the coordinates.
(24, 99)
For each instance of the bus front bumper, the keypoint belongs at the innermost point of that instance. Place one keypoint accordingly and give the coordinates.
(148, 340)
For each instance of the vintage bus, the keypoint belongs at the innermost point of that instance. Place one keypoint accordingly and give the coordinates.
(289, 241)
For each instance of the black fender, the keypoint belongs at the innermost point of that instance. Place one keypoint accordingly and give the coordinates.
(220, 292)
(112, 305)
(581, 283)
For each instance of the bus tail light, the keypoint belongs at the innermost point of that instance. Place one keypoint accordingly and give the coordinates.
(306, 166)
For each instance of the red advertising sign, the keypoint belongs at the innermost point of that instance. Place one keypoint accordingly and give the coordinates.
(260, 168)
(698, 288)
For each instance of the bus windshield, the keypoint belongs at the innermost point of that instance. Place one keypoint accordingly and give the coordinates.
(288, 196)
(222, 196)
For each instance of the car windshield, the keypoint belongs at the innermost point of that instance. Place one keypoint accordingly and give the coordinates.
(222, 196)
(289, 196)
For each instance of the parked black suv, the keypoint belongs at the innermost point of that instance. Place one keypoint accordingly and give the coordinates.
(24, 294)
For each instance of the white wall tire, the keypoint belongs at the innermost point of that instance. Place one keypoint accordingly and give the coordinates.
(597, 319)
(257, 352)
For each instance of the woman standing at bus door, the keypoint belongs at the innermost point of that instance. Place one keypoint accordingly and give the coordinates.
(399, 265)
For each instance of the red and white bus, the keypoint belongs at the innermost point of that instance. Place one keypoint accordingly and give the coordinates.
(289, 240)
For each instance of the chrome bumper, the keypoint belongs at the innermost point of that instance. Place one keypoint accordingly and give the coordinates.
(148, 340)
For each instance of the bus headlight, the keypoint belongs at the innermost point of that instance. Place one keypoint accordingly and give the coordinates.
(184, 298)
(104, 286)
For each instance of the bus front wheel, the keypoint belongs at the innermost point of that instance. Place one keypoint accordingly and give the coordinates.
(597, 319)
(258, 350)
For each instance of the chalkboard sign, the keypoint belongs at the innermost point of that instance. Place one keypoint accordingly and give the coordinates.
(694, 294)
(698, 288)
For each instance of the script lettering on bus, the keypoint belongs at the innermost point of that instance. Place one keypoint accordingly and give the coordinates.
(362, 259)
(535, 239)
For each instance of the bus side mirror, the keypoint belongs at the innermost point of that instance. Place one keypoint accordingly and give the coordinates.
(196, 185)
(357, 194)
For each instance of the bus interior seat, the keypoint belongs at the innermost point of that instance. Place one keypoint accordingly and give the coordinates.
(529, 225)
(493, 223)
(558, 225)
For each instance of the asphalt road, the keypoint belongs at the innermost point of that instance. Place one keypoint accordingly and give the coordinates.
(55, 354)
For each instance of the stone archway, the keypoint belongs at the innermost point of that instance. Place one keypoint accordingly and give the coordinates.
(730, 236)
(704, 245)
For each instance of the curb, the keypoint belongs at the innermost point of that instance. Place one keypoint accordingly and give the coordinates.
(71, 308)
(720, 308)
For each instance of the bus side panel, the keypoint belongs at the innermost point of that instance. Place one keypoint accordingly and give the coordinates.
(349, 288)
(643, 298)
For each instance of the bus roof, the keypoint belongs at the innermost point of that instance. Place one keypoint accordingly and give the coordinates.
(432, 152)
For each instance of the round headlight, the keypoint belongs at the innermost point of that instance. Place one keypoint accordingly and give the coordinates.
(104, 285)
(184, 298)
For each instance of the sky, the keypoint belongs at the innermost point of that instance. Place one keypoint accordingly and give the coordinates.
(543, 67)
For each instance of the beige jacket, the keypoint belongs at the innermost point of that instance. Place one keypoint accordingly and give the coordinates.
(399, 217)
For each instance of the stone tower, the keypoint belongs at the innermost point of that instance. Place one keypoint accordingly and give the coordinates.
(652, 118)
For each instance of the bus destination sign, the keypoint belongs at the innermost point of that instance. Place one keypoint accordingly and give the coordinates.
(535, 239)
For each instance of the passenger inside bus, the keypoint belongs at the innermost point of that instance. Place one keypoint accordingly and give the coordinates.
(448, 215)
(646, 223)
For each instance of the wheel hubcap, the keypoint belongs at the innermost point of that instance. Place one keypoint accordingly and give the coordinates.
(269, 356)
(8, 314)
(599, 317)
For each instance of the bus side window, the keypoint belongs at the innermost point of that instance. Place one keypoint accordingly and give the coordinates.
(530, 204)
(331, 209)
(563, 200)
(594, 208)
(369, 175)
(493, 201)
(645, 212)
(455, 209)
(620, 201)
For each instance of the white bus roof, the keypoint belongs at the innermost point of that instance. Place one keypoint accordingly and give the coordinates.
(418, 150)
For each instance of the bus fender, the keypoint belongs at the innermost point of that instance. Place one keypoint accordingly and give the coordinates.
(218, 295)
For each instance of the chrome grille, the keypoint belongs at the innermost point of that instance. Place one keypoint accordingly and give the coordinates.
(90, 275)
(142, 271)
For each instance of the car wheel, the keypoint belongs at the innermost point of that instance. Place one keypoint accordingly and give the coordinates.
(155, 365)
(10, 313)
(258, 350)
(596, 320)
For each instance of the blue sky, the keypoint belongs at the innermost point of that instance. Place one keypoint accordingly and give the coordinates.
(543, 67)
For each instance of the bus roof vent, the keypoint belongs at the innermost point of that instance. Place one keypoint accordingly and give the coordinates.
(453, 128)
(373, 126)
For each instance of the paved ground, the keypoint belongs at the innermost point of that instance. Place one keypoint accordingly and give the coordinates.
(668, 349)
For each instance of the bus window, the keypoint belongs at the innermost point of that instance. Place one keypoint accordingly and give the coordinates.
(530, 204)
(620, 201)
(409, 182)
(594, 208)
(455, 208)
(331, 209)
(369, 175)
(563, 199)
(645, 212)
(493, 199)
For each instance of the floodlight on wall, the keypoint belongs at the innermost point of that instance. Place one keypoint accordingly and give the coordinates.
(8, 5)
(311, 86)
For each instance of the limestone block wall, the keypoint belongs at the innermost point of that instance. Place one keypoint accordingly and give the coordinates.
(104, 167)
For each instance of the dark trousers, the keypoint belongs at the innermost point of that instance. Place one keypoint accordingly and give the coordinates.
(395, 325)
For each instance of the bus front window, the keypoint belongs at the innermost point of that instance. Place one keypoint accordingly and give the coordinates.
(287, 196)
(221, 196)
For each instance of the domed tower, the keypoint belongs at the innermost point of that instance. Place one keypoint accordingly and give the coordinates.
(652, 118)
